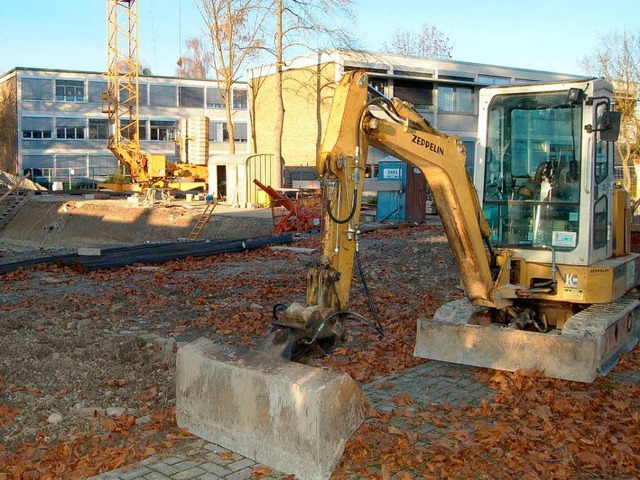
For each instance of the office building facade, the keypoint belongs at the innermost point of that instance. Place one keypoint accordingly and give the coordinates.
(60, 131)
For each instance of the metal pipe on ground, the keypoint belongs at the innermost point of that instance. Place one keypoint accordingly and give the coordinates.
(152, 253)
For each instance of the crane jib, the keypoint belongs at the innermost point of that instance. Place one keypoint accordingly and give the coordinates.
(428, 145)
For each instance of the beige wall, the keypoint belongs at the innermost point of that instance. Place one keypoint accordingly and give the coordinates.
(8, 126)
(307, 94)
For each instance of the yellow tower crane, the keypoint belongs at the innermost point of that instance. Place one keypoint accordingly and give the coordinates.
(121, 103)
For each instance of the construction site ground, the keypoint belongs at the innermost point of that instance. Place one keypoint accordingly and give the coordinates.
(87, 359)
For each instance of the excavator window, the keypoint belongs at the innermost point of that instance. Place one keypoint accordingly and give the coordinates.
(532, 175)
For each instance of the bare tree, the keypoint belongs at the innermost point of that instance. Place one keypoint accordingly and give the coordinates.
(300, 25)
(233, 29)
(197, 62)
(427, 43)
(617, 58)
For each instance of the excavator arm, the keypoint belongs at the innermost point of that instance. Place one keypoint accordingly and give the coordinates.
(397, 129)
(355, 122)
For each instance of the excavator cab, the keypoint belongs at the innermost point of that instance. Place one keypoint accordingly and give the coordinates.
(545, 171)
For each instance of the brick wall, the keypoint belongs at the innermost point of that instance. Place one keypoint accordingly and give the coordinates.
(307, 96)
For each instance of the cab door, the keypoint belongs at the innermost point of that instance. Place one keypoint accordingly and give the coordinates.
(603, 182)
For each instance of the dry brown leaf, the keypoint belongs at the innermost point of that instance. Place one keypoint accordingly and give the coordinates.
(259, 472)
(402, 399)
(226, 456)
(589, 459)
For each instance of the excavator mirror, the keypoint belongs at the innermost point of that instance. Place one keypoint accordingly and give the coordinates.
(609, 126)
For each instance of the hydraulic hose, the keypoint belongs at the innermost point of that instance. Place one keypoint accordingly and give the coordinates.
(373, 101)
(378, 325)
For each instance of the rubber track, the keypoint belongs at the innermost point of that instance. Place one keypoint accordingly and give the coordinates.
(151, 253)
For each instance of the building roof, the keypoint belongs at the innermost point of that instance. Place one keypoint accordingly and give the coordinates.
(15, 70)
(401, 65)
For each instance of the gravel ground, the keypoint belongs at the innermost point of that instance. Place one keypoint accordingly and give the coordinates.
(83, 348)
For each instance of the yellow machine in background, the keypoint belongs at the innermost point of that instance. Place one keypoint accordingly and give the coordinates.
(542, 243)
(121, 103)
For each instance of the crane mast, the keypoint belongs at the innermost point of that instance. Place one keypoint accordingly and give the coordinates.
(121, 102)
(122, 96)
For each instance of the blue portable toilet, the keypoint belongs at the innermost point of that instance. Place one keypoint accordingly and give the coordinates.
(408, 200)
(391, 203)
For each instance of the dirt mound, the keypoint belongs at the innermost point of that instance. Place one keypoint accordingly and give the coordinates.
(8, 181)
(50, 221)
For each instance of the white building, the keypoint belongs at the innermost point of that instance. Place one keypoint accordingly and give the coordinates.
(61, 131)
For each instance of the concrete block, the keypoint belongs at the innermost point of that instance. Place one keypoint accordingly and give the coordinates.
(288, 416)
(575, 353)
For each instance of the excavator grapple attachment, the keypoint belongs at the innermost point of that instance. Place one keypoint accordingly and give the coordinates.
(288, 416)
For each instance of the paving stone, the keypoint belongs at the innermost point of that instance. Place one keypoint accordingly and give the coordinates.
(190, 473)
(185, 465)
(156, 476)
(137, 473)
(216, 469)
(240, 475)
(431, 383)
(240, 464)
(211, 476)
(164, 468)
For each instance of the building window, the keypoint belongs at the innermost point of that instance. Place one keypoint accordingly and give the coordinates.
(102, 165)
(36, 89)
(191, 97)
(76, 163)
(128, 127)
(240, 99)
(143, 94)
(37, 127)
(218, 132)
(419, 94)
(493, 80)
(143, 97)
(95, 91)
(214, 98)
(453, 99)
(240, 132)
(162, 96)
(98, 129)
(163, 130)
(36, 166)
(525, 81)
(70, 128)
(70, 91)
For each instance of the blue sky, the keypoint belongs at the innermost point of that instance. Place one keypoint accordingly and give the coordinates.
(550, 35)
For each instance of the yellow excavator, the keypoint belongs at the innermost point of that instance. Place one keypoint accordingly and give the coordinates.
(541, 241)
(542, 244)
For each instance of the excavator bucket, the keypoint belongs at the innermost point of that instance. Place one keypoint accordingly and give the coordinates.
(286, 415)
